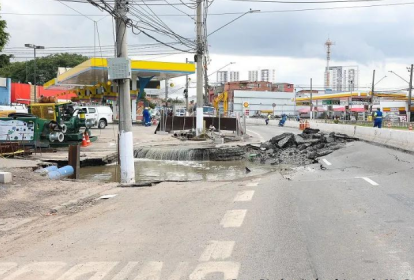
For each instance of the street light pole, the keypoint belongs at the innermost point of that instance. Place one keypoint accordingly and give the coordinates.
(311, 102)
(409, 93)
(34, 47)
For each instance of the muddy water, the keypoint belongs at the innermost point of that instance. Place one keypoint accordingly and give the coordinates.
(153, 170)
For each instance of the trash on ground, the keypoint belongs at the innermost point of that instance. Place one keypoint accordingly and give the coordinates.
(107, 196)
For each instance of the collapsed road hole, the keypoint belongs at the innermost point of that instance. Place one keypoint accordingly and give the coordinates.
(298, 149)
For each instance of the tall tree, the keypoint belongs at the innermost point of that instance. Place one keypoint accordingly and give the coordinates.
(4, 39)
(46, 68)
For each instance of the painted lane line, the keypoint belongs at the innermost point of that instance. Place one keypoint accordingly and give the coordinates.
(233, 218)
(98, 269)
(229, 270)
(244, 196)
(252, 184)
(327, 162)
(37, 270)
(4, 267)
(370, 181)
(260, 136)
(151, 271)
(217, 250)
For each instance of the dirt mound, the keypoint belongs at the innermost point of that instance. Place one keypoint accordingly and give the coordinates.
(299, 149)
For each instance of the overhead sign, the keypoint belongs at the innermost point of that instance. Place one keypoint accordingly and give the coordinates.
(331, 102)
(246, 104)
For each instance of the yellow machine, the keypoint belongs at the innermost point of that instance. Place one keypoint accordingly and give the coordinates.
(223, 97)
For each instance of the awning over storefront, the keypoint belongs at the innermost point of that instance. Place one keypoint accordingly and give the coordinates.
(315, 109)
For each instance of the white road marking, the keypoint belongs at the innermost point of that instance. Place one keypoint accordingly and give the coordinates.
(217, 250)
(100, 270)
(252, 184)
(233, 218)
(260, 136)
(370, 181)
(37, 270)
(4, 267)
(151, 271)
(181, 272)
(326, 162)
(244, 196)
(230, 270)
(124, 273)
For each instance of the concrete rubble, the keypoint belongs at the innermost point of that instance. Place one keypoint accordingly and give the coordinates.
(298, 149)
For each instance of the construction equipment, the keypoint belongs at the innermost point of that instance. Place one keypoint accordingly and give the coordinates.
(46, 124)
(223, 97)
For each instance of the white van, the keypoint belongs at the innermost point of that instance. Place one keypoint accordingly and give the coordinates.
(101, 114)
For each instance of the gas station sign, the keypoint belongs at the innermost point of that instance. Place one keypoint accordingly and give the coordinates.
(331, 102)
(302, 103)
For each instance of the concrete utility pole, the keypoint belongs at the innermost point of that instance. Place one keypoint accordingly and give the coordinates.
(311, 102)
(206, 97)
(126, 145)
(166, 92)
(372, 92)
(186, 90)
(200, 47)
(409, 93)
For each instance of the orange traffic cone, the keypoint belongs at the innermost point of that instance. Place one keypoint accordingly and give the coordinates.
(84, 143)
(389, 124)
(88, 141)
(410, 127)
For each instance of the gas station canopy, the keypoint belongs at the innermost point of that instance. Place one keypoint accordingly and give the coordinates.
(95, 71)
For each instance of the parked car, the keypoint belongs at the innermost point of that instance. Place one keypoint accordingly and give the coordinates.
(102, 115)
(392, 117)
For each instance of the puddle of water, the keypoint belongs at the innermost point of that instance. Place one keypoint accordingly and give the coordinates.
(153, 170)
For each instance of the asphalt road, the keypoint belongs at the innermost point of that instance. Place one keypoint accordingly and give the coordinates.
(353, 220)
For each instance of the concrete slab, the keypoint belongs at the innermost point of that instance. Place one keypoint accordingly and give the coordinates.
(6, 177)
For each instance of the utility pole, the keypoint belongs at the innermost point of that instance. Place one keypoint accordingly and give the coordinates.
(409, 93)
(206, 97)
(199, 56)
(186, 90)
(311, 102)
(372, 92)
(166, 92)
(126, 148)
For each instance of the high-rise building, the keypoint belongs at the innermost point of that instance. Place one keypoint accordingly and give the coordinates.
(342, 78)
(234, 76)
(268, 75)
(253, 75)
(222, 77)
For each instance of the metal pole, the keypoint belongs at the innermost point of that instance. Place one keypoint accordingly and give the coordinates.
(126, 148)
(186, 90)
(372, 92)
(34, 78)
(311, 102)
(409, 94)
(166, 92)
(200, 121)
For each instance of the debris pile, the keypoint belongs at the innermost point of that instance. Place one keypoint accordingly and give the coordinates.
(299, 149)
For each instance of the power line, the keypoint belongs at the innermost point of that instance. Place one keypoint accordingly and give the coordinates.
(239, 13)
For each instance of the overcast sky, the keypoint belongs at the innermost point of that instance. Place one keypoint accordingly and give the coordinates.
(378, 37)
